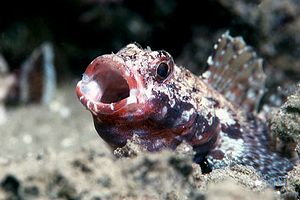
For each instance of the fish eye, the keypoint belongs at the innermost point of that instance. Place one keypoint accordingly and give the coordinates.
(162, 70)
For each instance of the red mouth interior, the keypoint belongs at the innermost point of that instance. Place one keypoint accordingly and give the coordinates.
(113, 86)
(106, 85)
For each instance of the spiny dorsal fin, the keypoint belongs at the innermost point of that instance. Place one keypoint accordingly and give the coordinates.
(236, 72)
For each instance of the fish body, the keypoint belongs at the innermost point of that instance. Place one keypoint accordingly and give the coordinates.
(143, 93)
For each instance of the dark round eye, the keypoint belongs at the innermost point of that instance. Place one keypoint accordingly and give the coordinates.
(162, 70)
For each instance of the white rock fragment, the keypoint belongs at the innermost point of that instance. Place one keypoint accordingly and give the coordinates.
(27, 139)
(224, 116)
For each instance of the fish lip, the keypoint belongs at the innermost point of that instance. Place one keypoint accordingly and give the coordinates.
(120, 108)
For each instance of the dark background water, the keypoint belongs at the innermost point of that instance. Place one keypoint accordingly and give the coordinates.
(83, 29)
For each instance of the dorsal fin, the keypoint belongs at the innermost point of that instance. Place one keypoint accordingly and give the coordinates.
(236, 72)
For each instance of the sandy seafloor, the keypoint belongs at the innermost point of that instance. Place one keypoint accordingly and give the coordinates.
(53, 152)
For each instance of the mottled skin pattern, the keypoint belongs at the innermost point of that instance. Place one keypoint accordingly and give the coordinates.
(164, 108)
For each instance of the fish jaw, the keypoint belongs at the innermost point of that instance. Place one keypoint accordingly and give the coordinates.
(109, 88)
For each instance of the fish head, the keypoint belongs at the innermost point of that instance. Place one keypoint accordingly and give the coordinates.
(129, 93)
(120, 86)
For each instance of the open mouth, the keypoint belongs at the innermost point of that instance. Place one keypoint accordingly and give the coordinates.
(105, 86)
(114, 87)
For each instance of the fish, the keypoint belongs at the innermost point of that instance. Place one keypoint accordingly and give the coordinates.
(34, 82)
(138, 92)
(35, 79)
